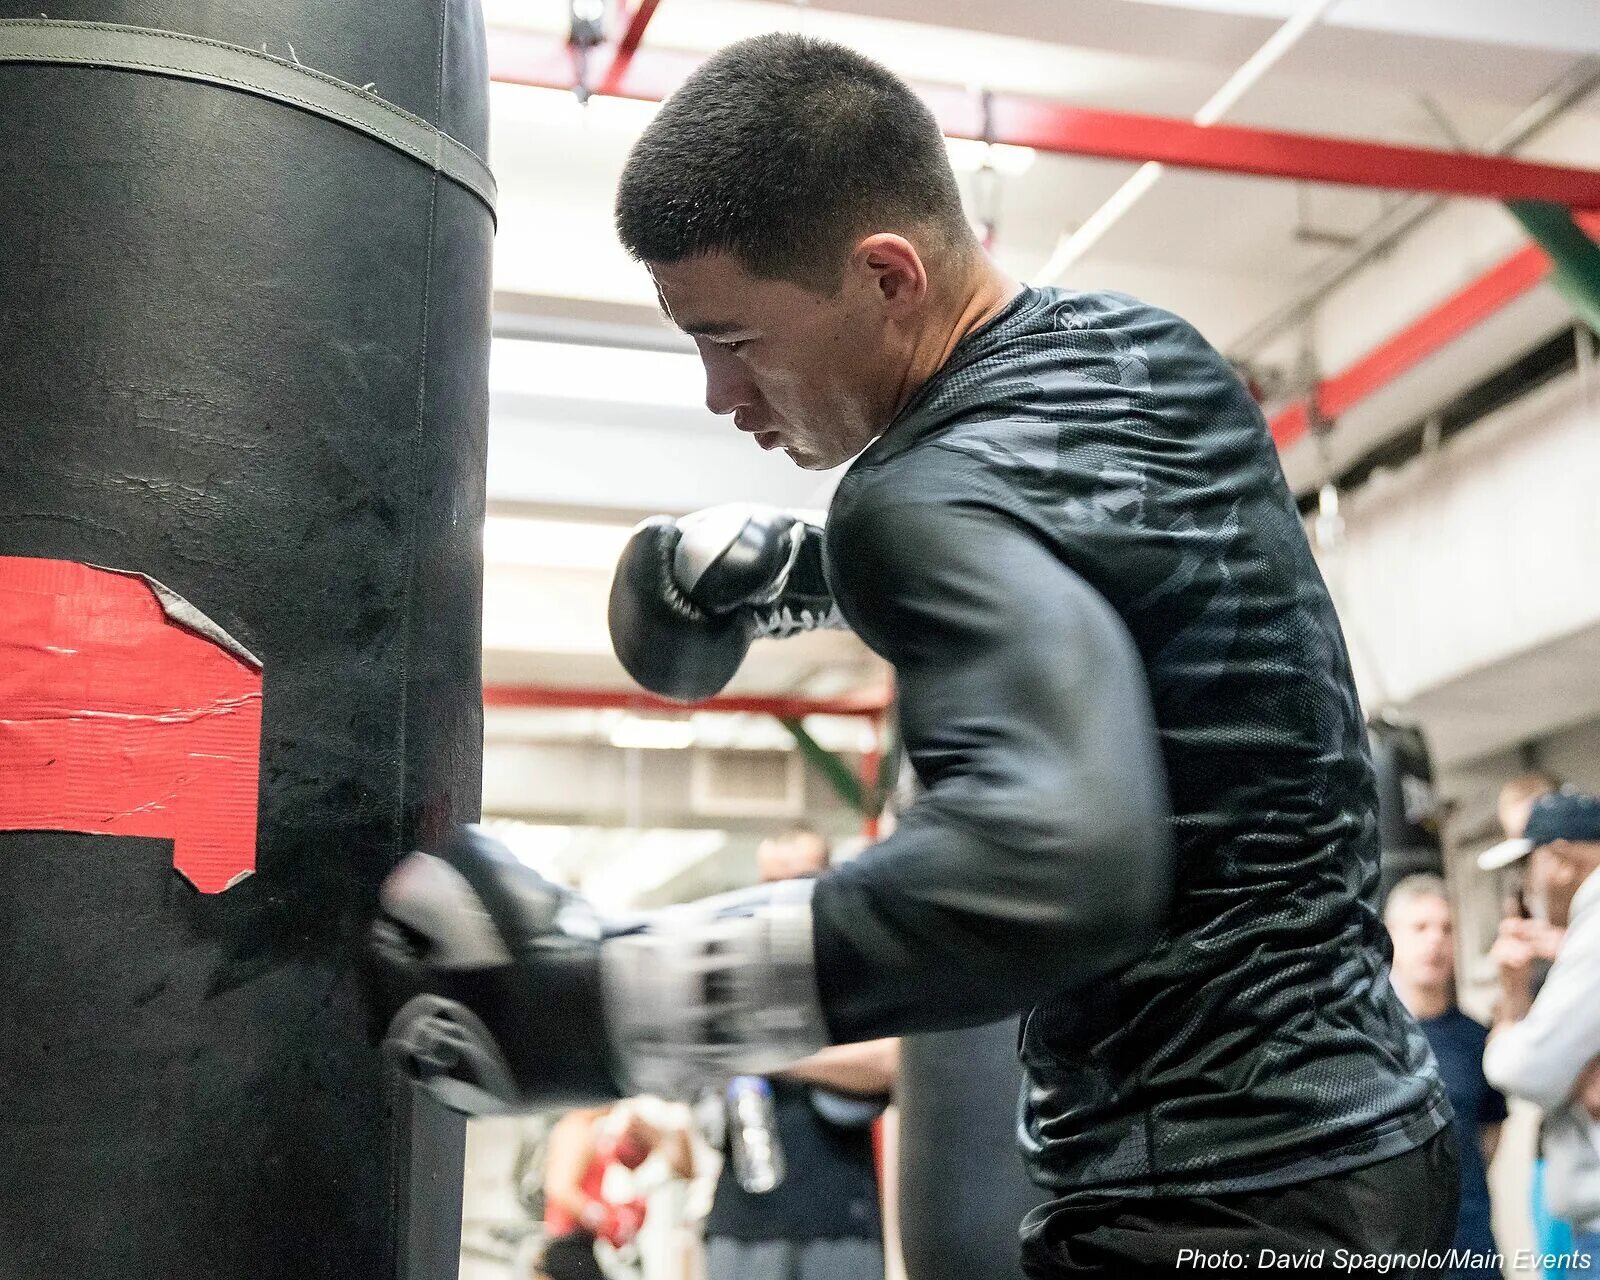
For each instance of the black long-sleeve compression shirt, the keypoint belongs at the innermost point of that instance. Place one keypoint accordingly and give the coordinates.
(1149, 815)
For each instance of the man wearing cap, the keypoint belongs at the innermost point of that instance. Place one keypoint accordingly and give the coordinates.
(1527, 923)
(1528, 916)
(1544, 1049)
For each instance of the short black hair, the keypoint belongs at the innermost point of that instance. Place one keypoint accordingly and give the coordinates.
(784, 150)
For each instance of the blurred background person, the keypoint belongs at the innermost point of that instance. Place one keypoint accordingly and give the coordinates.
(822, 1221)
(1526, 919)
(1526, 900)
(1421, 926)
(1545, 1046)
(1517, 796)
(584, 1146)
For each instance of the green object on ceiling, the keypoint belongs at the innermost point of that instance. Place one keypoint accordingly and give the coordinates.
(869, 801)
(1574, 257)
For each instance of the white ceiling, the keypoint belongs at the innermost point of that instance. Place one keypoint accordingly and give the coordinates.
(1498, 707)
(1222, 250)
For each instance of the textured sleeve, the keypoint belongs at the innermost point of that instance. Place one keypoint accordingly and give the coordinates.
(1038, 857)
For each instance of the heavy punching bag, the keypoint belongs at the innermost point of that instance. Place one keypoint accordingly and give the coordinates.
(1408, 812)
(244, 297)
(963, 1191)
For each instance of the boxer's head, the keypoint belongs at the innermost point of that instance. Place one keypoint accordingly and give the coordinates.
(795, 205)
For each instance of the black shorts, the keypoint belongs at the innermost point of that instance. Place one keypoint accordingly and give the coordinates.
(1386, 1219)
(571, 1258)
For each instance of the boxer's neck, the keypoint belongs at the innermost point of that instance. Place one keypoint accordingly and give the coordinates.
(974, 296)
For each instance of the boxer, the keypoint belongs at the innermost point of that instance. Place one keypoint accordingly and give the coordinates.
(1147, 817)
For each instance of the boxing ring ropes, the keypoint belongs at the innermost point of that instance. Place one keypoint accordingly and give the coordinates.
(1558, 206)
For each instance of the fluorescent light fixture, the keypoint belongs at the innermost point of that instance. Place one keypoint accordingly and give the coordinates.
(619, 866)
(552, 544)
(522, 104)
(653, 735)
(540, 846)
(568, 371)
(1073, 246)
(968, 156)
(1070, 248)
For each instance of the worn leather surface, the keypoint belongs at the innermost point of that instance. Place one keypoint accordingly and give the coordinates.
(243, 350)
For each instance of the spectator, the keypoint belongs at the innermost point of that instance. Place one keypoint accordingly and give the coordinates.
(584, 1144)
(1527, 898)
(1526, 904)
(1545, 1048)
(1423, 933)
(1517, 796)
(822, 1221)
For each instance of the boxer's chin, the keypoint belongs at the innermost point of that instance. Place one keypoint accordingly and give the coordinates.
(807, 460)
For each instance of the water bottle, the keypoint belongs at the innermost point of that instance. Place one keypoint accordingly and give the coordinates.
(753, 1144)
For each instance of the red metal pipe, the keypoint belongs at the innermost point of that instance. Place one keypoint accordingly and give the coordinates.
(1290, 423)
(1496, 288)
(1446, 322)
(543, 62)
(1225, 148)
(628, 46)
(526, 58)
(871, 704)
(871, 774)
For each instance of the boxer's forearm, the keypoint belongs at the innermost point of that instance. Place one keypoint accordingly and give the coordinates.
(865, 1069)
(713, 989)
(984, 931)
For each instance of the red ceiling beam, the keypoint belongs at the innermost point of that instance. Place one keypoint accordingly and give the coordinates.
(548, 698)
(628, 45)
(1430, 333)
(543, 62)
(651, 74)
(1225, 148)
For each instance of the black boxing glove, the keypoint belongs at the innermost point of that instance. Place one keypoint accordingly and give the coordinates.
(690, 596)
(508, 993)
(492, 976)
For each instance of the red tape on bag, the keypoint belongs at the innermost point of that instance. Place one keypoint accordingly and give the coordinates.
(125, 711)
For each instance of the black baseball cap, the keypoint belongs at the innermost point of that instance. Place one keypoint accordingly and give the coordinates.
(1560, 815)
